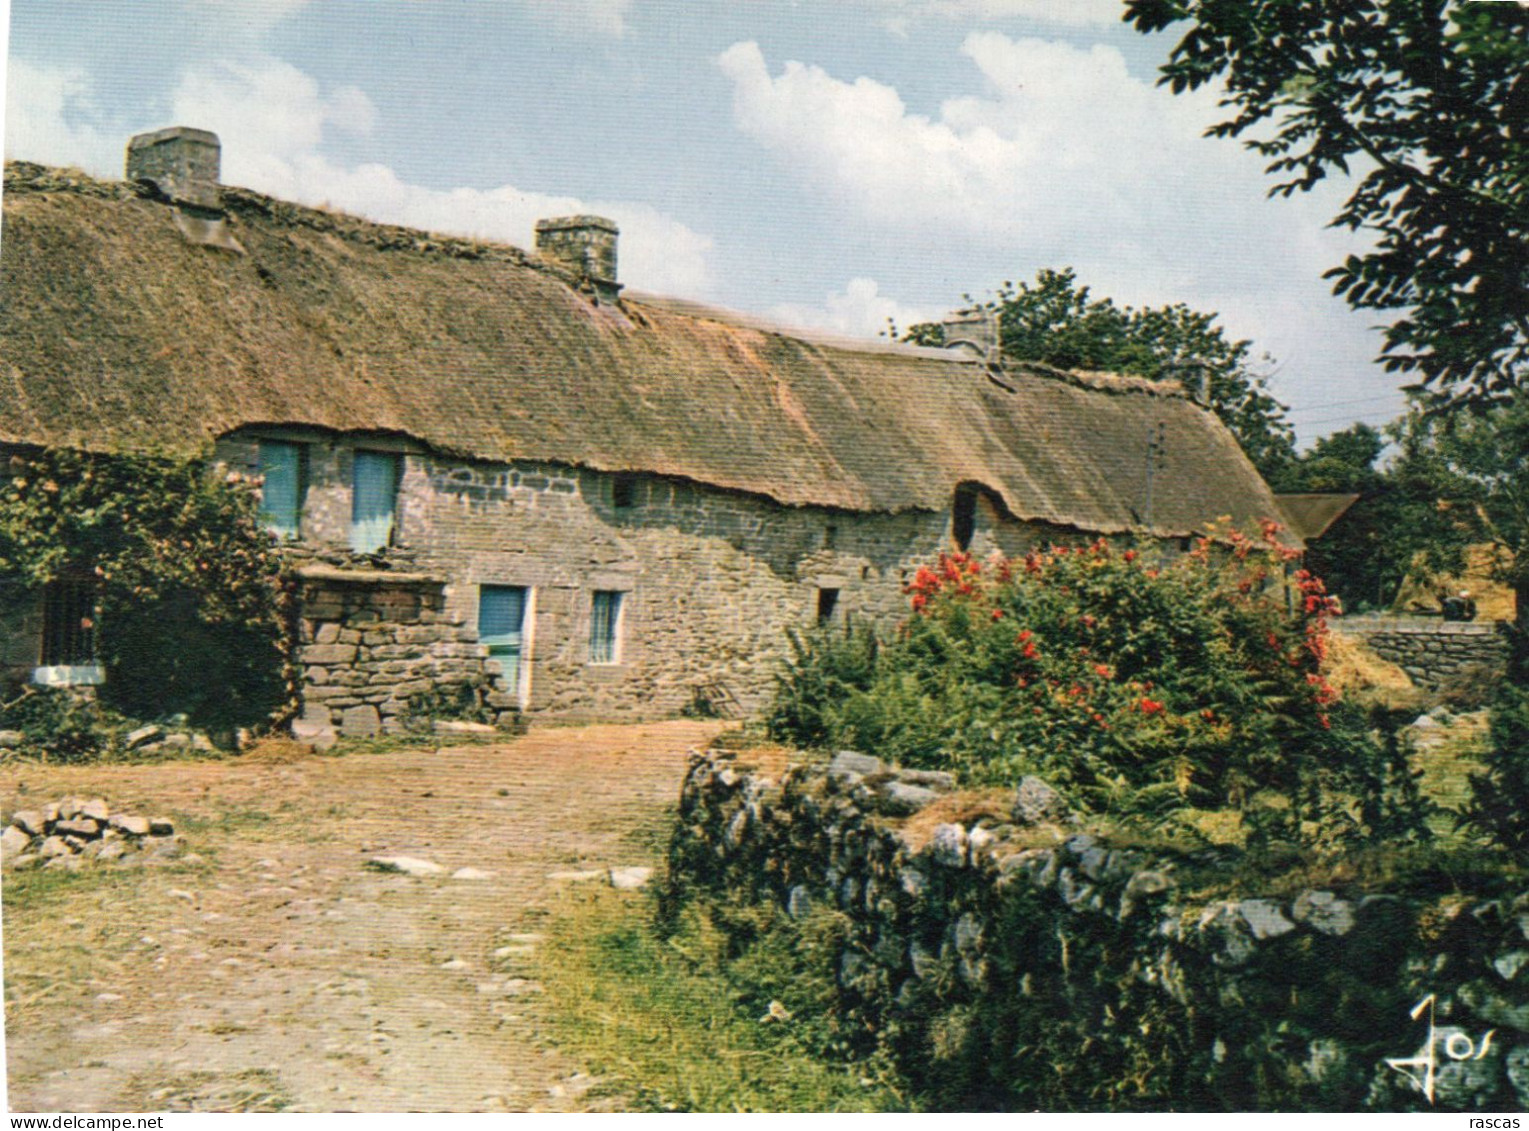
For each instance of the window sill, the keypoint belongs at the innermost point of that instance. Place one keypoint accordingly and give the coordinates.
(69, 675)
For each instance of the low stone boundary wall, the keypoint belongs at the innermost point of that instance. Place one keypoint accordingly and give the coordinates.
(1432, 652)
(1010, 964)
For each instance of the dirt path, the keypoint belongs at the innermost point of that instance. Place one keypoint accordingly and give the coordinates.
(285, 973)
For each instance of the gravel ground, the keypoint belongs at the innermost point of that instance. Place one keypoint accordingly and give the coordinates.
(283, 972)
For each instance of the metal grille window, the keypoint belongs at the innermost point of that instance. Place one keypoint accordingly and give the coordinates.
(374, 500)
(69, 631)
(604, 627)
(501, 625)
(281, 495)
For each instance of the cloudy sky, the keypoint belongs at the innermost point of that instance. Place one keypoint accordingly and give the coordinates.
(827, 163)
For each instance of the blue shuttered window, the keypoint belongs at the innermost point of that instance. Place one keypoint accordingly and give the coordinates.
(604, 625)
(281, 496)
(373, 501)
(501, 625)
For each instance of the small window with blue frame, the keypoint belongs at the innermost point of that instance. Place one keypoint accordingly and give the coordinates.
(281, 491)
(374, 501)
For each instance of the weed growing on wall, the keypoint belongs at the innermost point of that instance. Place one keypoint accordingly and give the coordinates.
(1140, 688)
(189, 608)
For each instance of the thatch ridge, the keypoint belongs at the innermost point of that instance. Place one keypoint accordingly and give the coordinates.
(117, 333)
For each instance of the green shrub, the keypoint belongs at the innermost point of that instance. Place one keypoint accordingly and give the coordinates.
(190, 609)
(1499, 806)
(827, 665)
(1138, 688)
(62, 726)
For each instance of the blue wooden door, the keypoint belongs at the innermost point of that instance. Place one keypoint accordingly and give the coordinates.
(501, 625)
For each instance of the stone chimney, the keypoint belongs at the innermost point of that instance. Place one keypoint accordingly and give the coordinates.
(585, 245)
(181, 162)
(1194, 377)
(975, 330)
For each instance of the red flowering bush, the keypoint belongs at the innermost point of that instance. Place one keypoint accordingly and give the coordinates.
(1134, 685)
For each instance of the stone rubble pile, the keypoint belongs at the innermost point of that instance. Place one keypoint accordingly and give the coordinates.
(151, 738)
(73, 830)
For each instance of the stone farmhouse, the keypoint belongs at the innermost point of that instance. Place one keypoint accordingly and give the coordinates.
(492, 463)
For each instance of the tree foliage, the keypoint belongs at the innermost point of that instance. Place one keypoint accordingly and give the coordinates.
(1427, 103)
(1476, 463)
(190, 611)
(1058, 322)
(1498, 809)
(1141, 689)
(1367, 554)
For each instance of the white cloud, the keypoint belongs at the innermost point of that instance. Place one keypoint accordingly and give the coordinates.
(271, 119)
(858, 311)
(266, 111)
(1062, 157)
(244, 19)
(1058, 130)
(1063, 13)
(602, 17)
(51, 118)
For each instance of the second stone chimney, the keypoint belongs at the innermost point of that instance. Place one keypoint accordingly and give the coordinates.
(585, 245)
(182, 163)
(975, 330)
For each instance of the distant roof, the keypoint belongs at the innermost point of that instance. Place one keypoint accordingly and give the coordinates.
(1311, 515)
(120, 331)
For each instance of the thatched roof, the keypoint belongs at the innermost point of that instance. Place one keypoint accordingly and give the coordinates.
(1311, 514)
(118, 331)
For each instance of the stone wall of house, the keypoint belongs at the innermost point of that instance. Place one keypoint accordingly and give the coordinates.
(1431, 651)
(1010, 962)
(711, 579)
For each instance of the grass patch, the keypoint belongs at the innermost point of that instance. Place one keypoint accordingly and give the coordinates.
(1448, 761)
(228, 822)
(396, 743)
(669, 1029)
(35, 892)
(652, 831)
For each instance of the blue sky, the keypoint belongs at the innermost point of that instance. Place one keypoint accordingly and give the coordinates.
(827, 163)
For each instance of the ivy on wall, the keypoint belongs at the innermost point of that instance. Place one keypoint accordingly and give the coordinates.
(190, 608)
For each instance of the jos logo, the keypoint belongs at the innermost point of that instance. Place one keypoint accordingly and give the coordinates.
(1422, 1068)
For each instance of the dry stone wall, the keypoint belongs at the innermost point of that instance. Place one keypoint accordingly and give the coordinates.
(1008, 962)
(371, 644)
(1434, 652)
